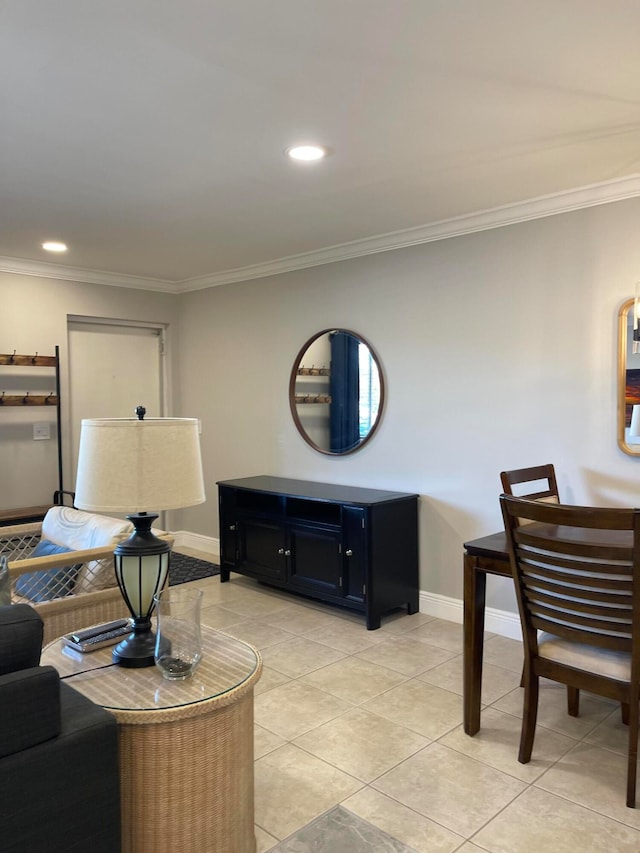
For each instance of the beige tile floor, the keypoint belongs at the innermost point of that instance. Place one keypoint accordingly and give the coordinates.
(371, 720)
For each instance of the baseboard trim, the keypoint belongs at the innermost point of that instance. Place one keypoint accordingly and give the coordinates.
(496, 621)
(206, 544)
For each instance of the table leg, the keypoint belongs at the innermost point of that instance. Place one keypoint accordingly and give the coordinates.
(475, 585)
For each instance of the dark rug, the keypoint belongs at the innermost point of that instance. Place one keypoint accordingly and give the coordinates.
(183, 569)
(340, 831)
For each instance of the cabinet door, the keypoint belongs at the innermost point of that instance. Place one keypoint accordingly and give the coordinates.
(355, 554)
(228, 542)
(228, 527)
(261, 549)
(315, 563)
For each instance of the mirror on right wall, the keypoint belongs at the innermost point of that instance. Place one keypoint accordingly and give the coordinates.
(629, 379)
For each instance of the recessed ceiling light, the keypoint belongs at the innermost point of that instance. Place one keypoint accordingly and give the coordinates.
(307, 152)
(53, 246)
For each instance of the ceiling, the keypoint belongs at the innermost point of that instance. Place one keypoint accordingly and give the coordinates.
(149, 135)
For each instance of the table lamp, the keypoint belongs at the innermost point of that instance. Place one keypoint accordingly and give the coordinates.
(139, 466)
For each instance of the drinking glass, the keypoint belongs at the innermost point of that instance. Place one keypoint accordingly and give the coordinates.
(178, 640)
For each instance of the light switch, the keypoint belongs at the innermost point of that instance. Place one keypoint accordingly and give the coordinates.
(41, 431)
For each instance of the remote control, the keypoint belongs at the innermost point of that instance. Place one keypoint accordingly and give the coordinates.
(87, 633)
(98, 641)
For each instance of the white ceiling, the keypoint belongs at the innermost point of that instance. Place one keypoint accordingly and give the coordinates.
(149, 134)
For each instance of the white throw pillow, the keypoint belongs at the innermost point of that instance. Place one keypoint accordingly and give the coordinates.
(78, 530)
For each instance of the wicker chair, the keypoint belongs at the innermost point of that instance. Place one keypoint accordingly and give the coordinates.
(86, 594)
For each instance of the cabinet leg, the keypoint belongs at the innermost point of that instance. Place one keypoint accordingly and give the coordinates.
(373, 622)
(225, 574)
(413, 607)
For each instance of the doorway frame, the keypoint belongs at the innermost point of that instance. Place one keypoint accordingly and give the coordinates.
(165, 384)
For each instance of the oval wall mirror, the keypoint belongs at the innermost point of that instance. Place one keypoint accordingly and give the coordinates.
(629, 380)
(336, 391)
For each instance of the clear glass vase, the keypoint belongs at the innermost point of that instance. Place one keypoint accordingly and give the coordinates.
(178, 639)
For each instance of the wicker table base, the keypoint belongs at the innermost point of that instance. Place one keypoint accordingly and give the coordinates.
(186, 748)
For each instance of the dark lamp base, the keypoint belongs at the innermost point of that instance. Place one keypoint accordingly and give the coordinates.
(135, 651)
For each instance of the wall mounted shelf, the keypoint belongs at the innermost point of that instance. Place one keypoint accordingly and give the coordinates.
(51, 399)
(313, 398)
(29, 360)
(314, 371)
(28, 399)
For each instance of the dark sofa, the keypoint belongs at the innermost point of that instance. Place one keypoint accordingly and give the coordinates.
(59, 782)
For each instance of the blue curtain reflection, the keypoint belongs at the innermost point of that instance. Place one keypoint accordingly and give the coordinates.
(344, 419)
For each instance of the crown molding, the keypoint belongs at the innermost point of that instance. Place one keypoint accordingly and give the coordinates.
(497, 217)
(45, 270)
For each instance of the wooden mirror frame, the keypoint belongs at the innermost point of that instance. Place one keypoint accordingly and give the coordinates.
(625, 399)
(324, 371)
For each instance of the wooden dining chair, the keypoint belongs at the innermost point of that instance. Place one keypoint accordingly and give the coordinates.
(538, 483)
(539, 475)
(577, 576)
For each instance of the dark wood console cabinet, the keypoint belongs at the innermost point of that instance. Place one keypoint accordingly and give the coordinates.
(354, 547)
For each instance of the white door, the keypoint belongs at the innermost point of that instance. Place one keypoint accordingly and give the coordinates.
(112, 369)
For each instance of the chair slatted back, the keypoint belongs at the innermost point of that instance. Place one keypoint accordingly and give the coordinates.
(536, 474)
(576, 571)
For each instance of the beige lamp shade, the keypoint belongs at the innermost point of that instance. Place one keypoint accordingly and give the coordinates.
(131, 465)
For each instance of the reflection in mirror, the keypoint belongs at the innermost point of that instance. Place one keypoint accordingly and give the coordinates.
(629, 380)
(336, 391)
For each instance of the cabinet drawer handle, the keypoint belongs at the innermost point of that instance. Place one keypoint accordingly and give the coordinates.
(287, 553)
(232, 527)
(280, 550)
(348, 553)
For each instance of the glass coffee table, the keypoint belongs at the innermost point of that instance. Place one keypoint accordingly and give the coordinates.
(186, 747)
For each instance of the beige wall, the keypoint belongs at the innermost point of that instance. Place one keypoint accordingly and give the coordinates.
(33, 318)
(498, 350)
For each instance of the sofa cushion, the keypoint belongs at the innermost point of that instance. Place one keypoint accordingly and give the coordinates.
(63, 796)
(47, 584)
(21, 633)
(29, 708)
(79, 530)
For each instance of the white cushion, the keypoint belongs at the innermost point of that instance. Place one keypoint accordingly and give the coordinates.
(79, 530)
(582, 656)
